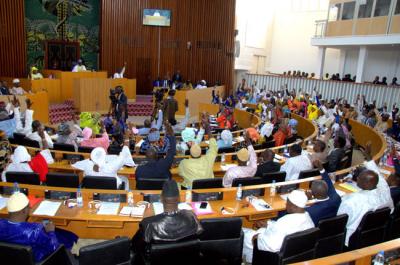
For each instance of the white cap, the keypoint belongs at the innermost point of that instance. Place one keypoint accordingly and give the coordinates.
(226, 136)
(16, 80)
(17, 202)
(298, 198)
(98, 156)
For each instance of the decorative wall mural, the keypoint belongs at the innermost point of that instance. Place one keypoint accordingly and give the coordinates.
(72, 20)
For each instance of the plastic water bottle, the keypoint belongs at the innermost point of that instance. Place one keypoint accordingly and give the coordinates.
(239, 193)
(188, 195)
(379, 258)
(16, 188)
(285, 150)
(223, 159)
(79, 198)
(272, 190)
(130, 199)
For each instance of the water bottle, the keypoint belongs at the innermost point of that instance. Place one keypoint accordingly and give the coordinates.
(79, 199)
(239, 193)
(188, 195)
(285, 150)
(379, 258)
(16, 187)
(130, 198)
(272, 190)
(223, 159)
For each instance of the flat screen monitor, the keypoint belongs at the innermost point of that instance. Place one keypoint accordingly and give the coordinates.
(157, 17)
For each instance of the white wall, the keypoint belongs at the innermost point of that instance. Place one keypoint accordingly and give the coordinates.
(380, 61)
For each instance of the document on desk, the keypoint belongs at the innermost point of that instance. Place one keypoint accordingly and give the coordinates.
(139, 143)
(132, 211)
(109, 208)
(159, 208)
(3, 202)
(227, 166)
(48, 208)
(260, 205)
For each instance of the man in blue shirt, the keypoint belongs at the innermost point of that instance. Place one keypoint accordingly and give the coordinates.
(43, 238)
(327, 201)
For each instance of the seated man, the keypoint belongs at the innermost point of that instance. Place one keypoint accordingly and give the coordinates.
(267, 164)
(44, 238)
(190, 136)
(327, 200)
(21, 161)
(27, 127)
(336, 155)
(243, 170)
(320, 151)
(198, 166)
(296, 163)
(374, 195)
(146, 128)
(67, 136)
(17, 89)
(170, 226)
(100, 164)
(39, 135)
(394, 183)
(158, 168)
(270, 236)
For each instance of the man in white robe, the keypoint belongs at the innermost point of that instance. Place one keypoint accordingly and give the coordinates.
(270, 238)
(79, 67)
(374, 195)
(296, 163)
(101, 164)
(39, 135)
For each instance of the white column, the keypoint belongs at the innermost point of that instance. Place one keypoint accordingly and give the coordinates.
(342, 62)
(362, 58)
(321, 61)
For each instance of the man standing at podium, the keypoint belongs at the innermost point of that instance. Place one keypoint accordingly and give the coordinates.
(79, 67)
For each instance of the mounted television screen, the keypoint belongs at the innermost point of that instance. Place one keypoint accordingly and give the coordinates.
(157, 17)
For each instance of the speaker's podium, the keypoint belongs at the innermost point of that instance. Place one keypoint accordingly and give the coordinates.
(92, 94)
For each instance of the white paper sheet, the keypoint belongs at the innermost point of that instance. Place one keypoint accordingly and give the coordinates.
(158, 207)
(260, 205)
(139, 143)
(109, 208)
(227, 166)
(340, 193)
(48, 208)
(3, 202)
(126, 211)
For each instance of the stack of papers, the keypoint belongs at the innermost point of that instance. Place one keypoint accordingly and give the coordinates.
(132, 211)
(260, 205)
(3, 202)
(227, 166)
(109, 208)
(48, 208)
(158, 207)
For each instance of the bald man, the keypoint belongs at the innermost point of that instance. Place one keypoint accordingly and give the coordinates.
(374, 195)
(327, 200)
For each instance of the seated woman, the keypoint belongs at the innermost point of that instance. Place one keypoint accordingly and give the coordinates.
(90, 140)
(21, 161)
(67, 136)
(153, 139)
(91, 121)
(191, 136)
(226, 139)
(225, 119)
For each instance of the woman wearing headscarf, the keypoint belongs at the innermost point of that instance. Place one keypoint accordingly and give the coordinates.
(67, 136)
(21, 161)
(91, 121)
(101, 164)
(90, 140)
(226, 139)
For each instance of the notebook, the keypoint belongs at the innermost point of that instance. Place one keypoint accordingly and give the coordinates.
(109, 208)
(132, 211)
(48, 208)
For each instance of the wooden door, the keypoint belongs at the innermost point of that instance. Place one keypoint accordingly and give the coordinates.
(143, 76)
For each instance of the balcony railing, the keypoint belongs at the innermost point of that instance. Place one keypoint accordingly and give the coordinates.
(320, 28)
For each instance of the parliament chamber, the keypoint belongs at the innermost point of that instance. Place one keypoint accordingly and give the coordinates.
(164, 132)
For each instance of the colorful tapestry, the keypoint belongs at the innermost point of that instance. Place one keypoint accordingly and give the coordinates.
(73, 20)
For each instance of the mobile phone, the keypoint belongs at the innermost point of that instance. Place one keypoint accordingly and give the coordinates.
(203, 205)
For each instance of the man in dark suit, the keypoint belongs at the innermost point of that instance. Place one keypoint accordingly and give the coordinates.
(170, 226)
(394, 179)
(327, 200)
(267, 165)
(158, 168)
(336, 155)
(121, 104)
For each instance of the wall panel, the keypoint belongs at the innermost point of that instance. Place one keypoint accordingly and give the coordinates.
(12, 39)
(207, 24)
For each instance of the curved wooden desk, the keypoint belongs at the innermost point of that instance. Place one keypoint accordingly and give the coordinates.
(362, 256)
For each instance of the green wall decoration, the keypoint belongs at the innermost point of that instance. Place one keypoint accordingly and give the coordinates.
(73, 20)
